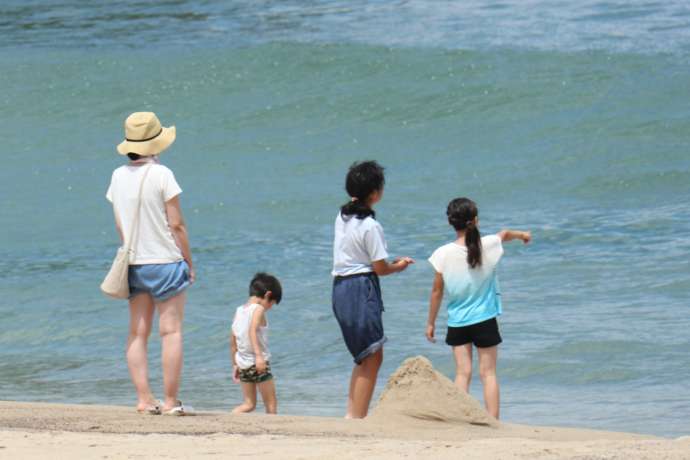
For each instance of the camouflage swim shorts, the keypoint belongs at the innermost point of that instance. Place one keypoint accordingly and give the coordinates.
(250, 375)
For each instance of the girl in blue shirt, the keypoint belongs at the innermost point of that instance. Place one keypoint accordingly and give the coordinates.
(466, 270)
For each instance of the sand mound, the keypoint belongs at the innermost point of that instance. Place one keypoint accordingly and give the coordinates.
(416, 390)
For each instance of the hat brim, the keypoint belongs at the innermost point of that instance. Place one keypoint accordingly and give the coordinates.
(149, 148)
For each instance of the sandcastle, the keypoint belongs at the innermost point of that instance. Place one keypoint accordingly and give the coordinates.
(418, 391)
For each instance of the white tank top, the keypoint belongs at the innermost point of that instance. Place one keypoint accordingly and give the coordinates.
(245, 357)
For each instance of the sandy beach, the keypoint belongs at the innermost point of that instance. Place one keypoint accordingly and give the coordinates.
(420, 415)
(39, 431)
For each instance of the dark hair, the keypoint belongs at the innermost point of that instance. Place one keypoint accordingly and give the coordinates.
(262, 283)
(362, 180)
(134, 156)
(461, 213)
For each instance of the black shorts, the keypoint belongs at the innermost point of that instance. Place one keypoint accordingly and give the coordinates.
(482, 335)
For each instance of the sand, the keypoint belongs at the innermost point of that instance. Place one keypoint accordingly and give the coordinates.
(416, 390)
(420, 415)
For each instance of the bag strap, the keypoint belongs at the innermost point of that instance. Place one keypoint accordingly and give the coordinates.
(135, 221)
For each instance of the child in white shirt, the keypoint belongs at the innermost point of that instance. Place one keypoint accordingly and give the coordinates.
(359, 258)
(249, 344)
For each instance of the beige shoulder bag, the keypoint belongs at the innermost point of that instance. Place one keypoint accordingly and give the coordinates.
(116, 282)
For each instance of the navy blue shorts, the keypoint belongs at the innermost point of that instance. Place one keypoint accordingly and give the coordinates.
(162, 281)
(358, 307)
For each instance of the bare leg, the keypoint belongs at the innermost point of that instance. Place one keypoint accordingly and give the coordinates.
(268, 396)
(362, 384)
(249, 404)
(171, 314)
(140, 321)
(348, 414)
(487, 372)
(463, 366)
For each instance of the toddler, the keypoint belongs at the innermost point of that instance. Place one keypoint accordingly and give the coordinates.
(249, 344)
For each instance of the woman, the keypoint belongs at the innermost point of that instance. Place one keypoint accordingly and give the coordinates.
(161, 267)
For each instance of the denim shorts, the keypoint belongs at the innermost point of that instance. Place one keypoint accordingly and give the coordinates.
(162, 281)
(358, 307)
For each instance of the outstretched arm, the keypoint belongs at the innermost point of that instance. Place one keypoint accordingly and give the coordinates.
(434, 305)
(510, 235)
(257, 320)
(383, 268)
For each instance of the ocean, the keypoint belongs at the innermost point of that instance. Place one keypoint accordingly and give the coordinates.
(569, 119)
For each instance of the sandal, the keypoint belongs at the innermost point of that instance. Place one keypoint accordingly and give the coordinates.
(151, 409)
(180, 410)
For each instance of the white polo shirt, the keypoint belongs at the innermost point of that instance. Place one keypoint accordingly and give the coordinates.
(357, 243)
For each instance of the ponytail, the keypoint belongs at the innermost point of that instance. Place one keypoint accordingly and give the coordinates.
(473, 241)
(462, 213)
(358, 208)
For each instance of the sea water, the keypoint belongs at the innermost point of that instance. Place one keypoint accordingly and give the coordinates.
(569, 119)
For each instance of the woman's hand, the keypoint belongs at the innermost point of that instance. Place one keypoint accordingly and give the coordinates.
(430, 333)
(178, 228)
(235, 374)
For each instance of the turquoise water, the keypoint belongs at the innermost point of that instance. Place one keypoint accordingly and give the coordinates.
(581, 136)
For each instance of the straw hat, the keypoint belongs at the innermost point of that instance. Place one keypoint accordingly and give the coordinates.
(145, 136)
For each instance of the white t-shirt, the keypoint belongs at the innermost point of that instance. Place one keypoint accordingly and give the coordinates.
(473, 293)
(245, 357)
(357, 243)
(155, 242)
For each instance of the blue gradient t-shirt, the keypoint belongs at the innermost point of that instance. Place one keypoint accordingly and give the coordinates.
(472, 293)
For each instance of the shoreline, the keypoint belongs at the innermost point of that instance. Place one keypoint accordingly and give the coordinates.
(38, 430)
